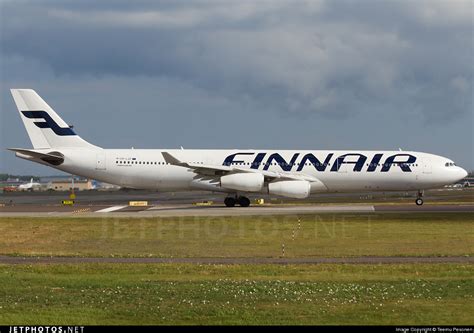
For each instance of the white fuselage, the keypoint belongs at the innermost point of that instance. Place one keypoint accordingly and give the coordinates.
(29, 186)
(288, 173)
(356, 171)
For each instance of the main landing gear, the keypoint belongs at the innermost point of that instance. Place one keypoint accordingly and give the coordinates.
(232, 201)
(419, 200)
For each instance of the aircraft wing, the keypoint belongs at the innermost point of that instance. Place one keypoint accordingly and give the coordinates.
(224, 169)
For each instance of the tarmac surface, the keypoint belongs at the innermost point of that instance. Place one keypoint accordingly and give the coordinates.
(96, 203)
(236, 261)
(192, 210)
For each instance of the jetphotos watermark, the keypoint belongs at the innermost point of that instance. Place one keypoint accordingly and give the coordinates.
(46, 329)
(271, 227)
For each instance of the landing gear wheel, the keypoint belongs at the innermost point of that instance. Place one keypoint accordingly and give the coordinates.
(244, 201)
(230, 202)
(419, 200)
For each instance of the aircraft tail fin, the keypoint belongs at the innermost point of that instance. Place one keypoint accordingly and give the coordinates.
(45, 128)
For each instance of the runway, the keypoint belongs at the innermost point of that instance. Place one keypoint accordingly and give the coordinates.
(192, 210)
(235, 261)
(116, 204)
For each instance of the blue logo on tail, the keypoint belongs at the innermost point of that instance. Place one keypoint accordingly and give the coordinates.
(48, 122)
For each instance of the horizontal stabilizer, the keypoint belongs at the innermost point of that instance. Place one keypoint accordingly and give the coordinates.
(54, 157)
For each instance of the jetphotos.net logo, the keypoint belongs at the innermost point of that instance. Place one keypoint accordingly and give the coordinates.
(46, 329)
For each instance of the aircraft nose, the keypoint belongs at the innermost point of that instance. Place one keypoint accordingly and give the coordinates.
(463, 173)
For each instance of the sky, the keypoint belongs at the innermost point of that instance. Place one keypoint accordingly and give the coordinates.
(244, 74)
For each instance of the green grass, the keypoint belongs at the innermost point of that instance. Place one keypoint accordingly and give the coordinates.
(428, 294)
(391, 294)
(321, 235)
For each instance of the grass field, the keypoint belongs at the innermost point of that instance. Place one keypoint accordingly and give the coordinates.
(439, 294)
(322, 235)
(392, 294)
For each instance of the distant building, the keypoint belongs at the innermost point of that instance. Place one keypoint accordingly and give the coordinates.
(66, 185)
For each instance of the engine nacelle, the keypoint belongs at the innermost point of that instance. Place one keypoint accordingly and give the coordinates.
(247, 182)
(298, 189)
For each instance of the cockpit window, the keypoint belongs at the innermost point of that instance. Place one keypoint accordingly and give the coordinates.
(450, 164)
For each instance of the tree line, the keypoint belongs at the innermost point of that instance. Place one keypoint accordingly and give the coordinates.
(6, 176)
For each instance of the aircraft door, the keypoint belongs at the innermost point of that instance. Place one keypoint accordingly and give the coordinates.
(101, 161)
(426, 166)
(343, 167)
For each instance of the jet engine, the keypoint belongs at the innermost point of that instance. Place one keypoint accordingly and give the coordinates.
(247, 182)
(298, 189)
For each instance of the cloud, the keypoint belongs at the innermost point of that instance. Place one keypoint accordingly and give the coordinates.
(198, 14)
(328, 57)
(328, 74)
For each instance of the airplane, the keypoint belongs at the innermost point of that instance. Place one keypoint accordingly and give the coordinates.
(29, 186)
(237, 172)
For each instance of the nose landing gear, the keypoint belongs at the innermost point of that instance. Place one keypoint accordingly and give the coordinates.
(419, 200)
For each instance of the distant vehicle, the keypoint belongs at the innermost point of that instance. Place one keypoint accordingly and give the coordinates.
(287, 173)
(10, 189)
(31, 186)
